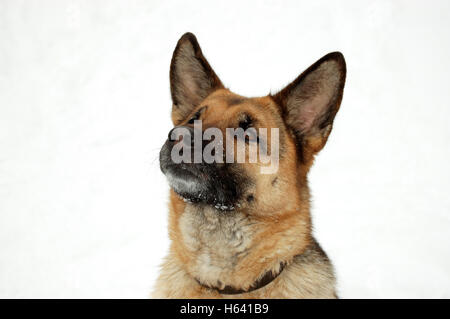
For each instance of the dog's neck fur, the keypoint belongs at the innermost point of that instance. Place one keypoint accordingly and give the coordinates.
(236, 248)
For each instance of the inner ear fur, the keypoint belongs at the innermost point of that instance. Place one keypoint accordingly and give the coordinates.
(310, 103)
(191, 77)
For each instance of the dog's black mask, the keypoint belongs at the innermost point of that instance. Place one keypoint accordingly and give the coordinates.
(218, 184)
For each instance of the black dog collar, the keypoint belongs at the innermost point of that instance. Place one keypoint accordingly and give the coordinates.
(266, 279)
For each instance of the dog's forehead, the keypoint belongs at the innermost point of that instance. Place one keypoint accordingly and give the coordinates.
(225, 98)
(223, 101)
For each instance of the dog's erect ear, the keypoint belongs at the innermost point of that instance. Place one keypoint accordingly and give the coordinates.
(311, 101)
(191, 77)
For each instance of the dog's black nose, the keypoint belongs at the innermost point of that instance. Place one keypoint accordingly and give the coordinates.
(172, 135)
(184, 132)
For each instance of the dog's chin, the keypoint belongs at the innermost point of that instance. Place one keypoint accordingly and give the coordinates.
(188, 186)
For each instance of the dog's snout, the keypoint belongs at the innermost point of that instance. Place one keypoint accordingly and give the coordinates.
(171, 136)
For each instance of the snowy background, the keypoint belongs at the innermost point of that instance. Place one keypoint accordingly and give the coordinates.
(85, 107)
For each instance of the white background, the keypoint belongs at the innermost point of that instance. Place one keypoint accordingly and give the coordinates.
(85, 107)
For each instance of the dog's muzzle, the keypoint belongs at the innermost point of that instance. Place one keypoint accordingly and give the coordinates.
(214, 184)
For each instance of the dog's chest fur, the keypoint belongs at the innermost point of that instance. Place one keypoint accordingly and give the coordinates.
(220, 247)
(219, 241)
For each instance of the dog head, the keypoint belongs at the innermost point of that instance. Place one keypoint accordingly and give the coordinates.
(297, 122)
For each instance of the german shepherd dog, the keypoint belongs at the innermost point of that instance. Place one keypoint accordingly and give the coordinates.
(237, 233)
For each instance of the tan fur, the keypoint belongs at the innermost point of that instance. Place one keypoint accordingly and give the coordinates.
(237, 248)
(271, 223)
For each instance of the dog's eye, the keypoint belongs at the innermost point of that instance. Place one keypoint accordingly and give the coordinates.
(246, 122)
(194, 118)
(197, 115)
